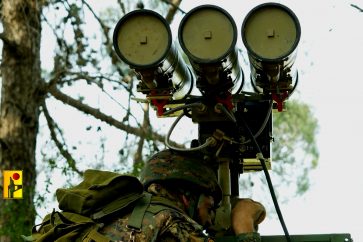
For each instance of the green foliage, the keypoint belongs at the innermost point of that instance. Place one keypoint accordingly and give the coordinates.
(294, 150)
(294, 155)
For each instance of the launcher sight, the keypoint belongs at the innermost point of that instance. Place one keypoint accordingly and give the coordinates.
(143, 40)
(271, 33)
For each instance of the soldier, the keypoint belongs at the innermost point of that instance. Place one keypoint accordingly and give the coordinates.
(189, 193)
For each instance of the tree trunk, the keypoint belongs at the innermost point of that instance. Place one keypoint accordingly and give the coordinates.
(20, 98)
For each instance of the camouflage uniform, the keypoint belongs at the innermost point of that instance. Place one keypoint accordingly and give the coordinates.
(167, 225)
(171, 223)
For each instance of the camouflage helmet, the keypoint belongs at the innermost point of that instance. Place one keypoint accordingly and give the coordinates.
(170, 165)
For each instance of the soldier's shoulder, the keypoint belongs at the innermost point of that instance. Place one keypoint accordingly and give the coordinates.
(158, 221)
(153, 224)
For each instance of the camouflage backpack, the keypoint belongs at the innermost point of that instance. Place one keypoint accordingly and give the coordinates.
(85, 207)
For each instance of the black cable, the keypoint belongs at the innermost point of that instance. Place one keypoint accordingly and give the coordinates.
(269, 183)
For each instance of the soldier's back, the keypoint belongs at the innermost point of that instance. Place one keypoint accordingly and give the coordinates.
(160, 223)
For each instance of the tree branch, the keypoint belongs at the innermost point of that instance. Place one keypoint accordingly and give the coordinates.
(174, 5)
(355, 6)
(64, 152)
(149, 135)
(140, 146)
(108, 41)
